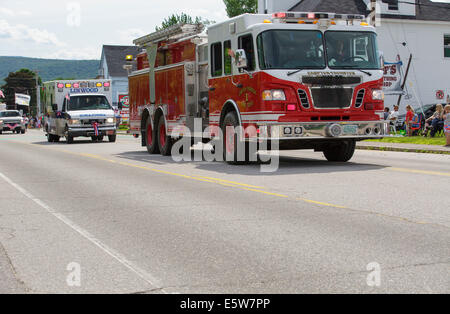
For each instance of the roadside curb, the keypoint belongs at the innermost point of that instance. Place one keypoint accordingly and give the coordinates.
(404, 150)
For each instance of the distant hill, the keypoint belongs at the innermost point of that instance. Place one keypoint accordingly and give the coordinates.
(50, 69)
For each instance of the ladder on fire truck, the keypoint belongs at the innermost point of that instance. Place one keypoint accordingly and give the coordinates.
(175, 32)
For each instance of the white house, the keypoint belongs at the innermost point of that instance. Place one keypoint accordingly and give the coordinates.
(417, 27)
(111, 67)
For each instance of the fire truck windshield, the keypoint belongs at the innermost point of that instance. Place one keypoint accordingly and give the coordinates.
(352, 50)
(291, 49)
(89, 103)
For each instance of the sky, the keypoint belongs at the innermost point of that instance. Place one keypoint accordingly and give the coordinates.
(77, 29)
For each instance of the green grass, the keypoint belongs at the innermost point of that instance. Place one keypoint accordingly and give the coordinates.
(413, 140)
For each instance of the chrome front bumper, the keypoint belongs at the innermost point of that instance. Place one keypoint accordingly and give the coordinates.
(358, 130)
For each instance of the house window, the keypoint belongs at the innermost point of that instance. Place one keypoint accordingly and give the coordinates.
(392, 4)
(216, 59)
(447, 46)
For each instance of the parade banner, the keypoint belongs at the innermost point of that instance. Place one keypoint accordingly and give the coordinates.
(23, 100)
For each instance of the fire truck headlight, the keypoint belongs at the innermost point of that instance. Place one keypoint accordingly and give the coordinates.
(274, 94)
(377, 94)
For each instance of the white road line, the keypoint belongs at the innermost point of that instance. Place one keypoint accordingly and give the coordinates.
(111, 252)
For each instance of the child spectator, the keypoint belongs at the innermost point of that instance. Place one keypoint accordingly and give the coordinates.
(409, 117)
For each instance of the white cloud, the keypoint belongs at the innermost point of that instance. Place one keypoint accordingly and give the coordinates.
(128, 35)
(75, 54)
(21, 32)
(11, 13)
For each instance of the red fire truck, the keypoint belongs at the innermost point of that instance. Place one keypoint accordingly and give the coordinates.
(302, 80)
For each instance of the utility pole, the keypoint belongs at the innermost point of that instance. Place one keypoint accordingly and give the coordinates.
(38, 93)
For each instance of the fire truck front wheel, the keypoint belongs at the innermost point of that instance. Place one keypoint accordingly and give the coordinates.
(235, 152)
(164, 141)
(150, 138)
(342, 152)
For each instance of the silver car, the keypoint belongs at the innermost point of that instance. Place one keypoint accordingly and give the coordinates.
(12, 121)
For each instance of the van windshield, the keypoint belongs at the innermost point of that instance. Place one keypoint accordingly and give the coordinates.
(9, 114)
(88, 103)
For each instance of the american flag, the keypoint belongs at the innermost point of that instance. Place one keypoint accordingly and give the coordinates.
(95, 125)
(1, 94)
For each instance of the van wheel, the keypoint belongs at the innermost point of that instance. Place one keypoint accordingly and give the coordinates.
(23, 131)
(341, 152)
(232, 145)
(69, 137)
(151, 140)
(164, 141)
(50, 138)
(112, 138)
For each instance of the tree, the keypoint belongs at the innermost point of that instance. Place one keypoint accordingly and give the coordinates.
(238, 7)
(22, 82)
(183, 18)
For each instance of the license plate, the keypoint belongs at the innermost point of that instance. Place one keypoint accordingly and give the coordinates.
(110, 132)
(350, 129)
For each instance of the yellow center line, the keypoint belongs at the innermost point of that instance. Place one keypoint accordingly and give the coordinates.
(434, 173)
(265, 192)
(234, 183)
(321, 203)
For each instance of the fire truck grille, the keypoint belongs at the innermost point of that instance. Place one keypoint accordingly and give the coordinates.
(331, 98)
(90, 122)
(303, 98)
(360, 98)
(331, 80)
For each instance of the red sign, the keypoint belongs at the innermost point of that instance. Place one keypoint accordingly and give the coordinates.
(440, 94)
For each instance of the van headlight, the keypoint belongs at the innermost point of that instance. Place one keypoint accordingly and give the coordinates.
(74, 122)
(111, 120)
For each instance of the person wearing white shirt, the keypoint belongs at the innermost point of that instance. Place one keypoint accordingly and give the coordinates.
(393, 117)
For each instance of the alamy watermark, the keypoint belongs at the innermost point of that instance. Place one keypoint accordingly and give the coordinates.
(237, 145)
(74, 14)
(73, 279)
(374, 277)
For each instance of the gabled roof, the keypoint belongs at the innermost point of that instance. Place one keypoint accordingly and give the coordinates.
(426, 10)
(115, 58)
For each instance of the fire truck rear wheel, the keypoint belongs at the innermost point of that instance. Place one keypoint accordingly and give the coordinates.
(230, 142)
(164, 141)
(340, 153)
(151, 142)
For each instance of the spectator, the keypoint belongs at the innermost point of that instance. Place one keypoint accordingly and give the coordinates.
(409, 117)
(393, 117)
(386, 113)
(447, 124)
(432, 123)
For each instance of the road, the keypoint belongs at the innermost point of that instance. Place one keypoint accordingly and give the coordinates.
(109, 218)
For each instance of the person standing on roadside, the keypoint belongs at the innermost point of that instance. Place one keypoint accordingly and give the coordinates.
(409, 117)
(447, 124)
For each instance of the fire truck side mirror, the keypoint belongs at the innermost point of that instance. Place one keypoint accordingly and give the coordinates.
(241, 59)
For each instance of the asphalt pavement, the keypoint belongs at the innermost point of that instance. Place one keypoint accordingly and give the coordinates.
(109, 218)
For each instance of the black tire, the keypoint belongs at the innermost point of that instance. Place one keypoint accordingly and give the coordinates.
(151, 141)
(56, 138)
(230, 149)
(23, 131)
(69, 137)
(1, 132)
(112, 138)
(341, 152)
(164, 140)
(50, 138)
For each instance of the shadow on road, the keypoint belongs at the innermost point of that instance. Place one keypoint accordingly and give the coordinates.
(288, 165)
(76, 142)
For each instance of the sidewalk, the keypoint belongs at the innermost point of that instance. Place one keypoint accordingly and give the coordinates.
(398, 147)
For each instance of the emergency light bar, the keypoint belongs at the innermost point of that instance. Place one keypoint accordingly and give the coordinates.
(295, 17)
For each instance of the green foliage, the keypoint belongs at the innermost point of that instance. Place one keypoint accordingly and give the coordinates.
(183, 18)
(21, 82)
(438, 140)
(238, 7)
(50, 69)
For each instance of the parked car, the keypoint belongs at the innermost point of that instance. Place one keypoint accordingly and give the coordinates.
(11, 120)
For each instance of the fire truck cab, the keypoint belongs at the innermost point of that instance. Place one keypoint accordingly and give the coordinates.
(302, 80)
